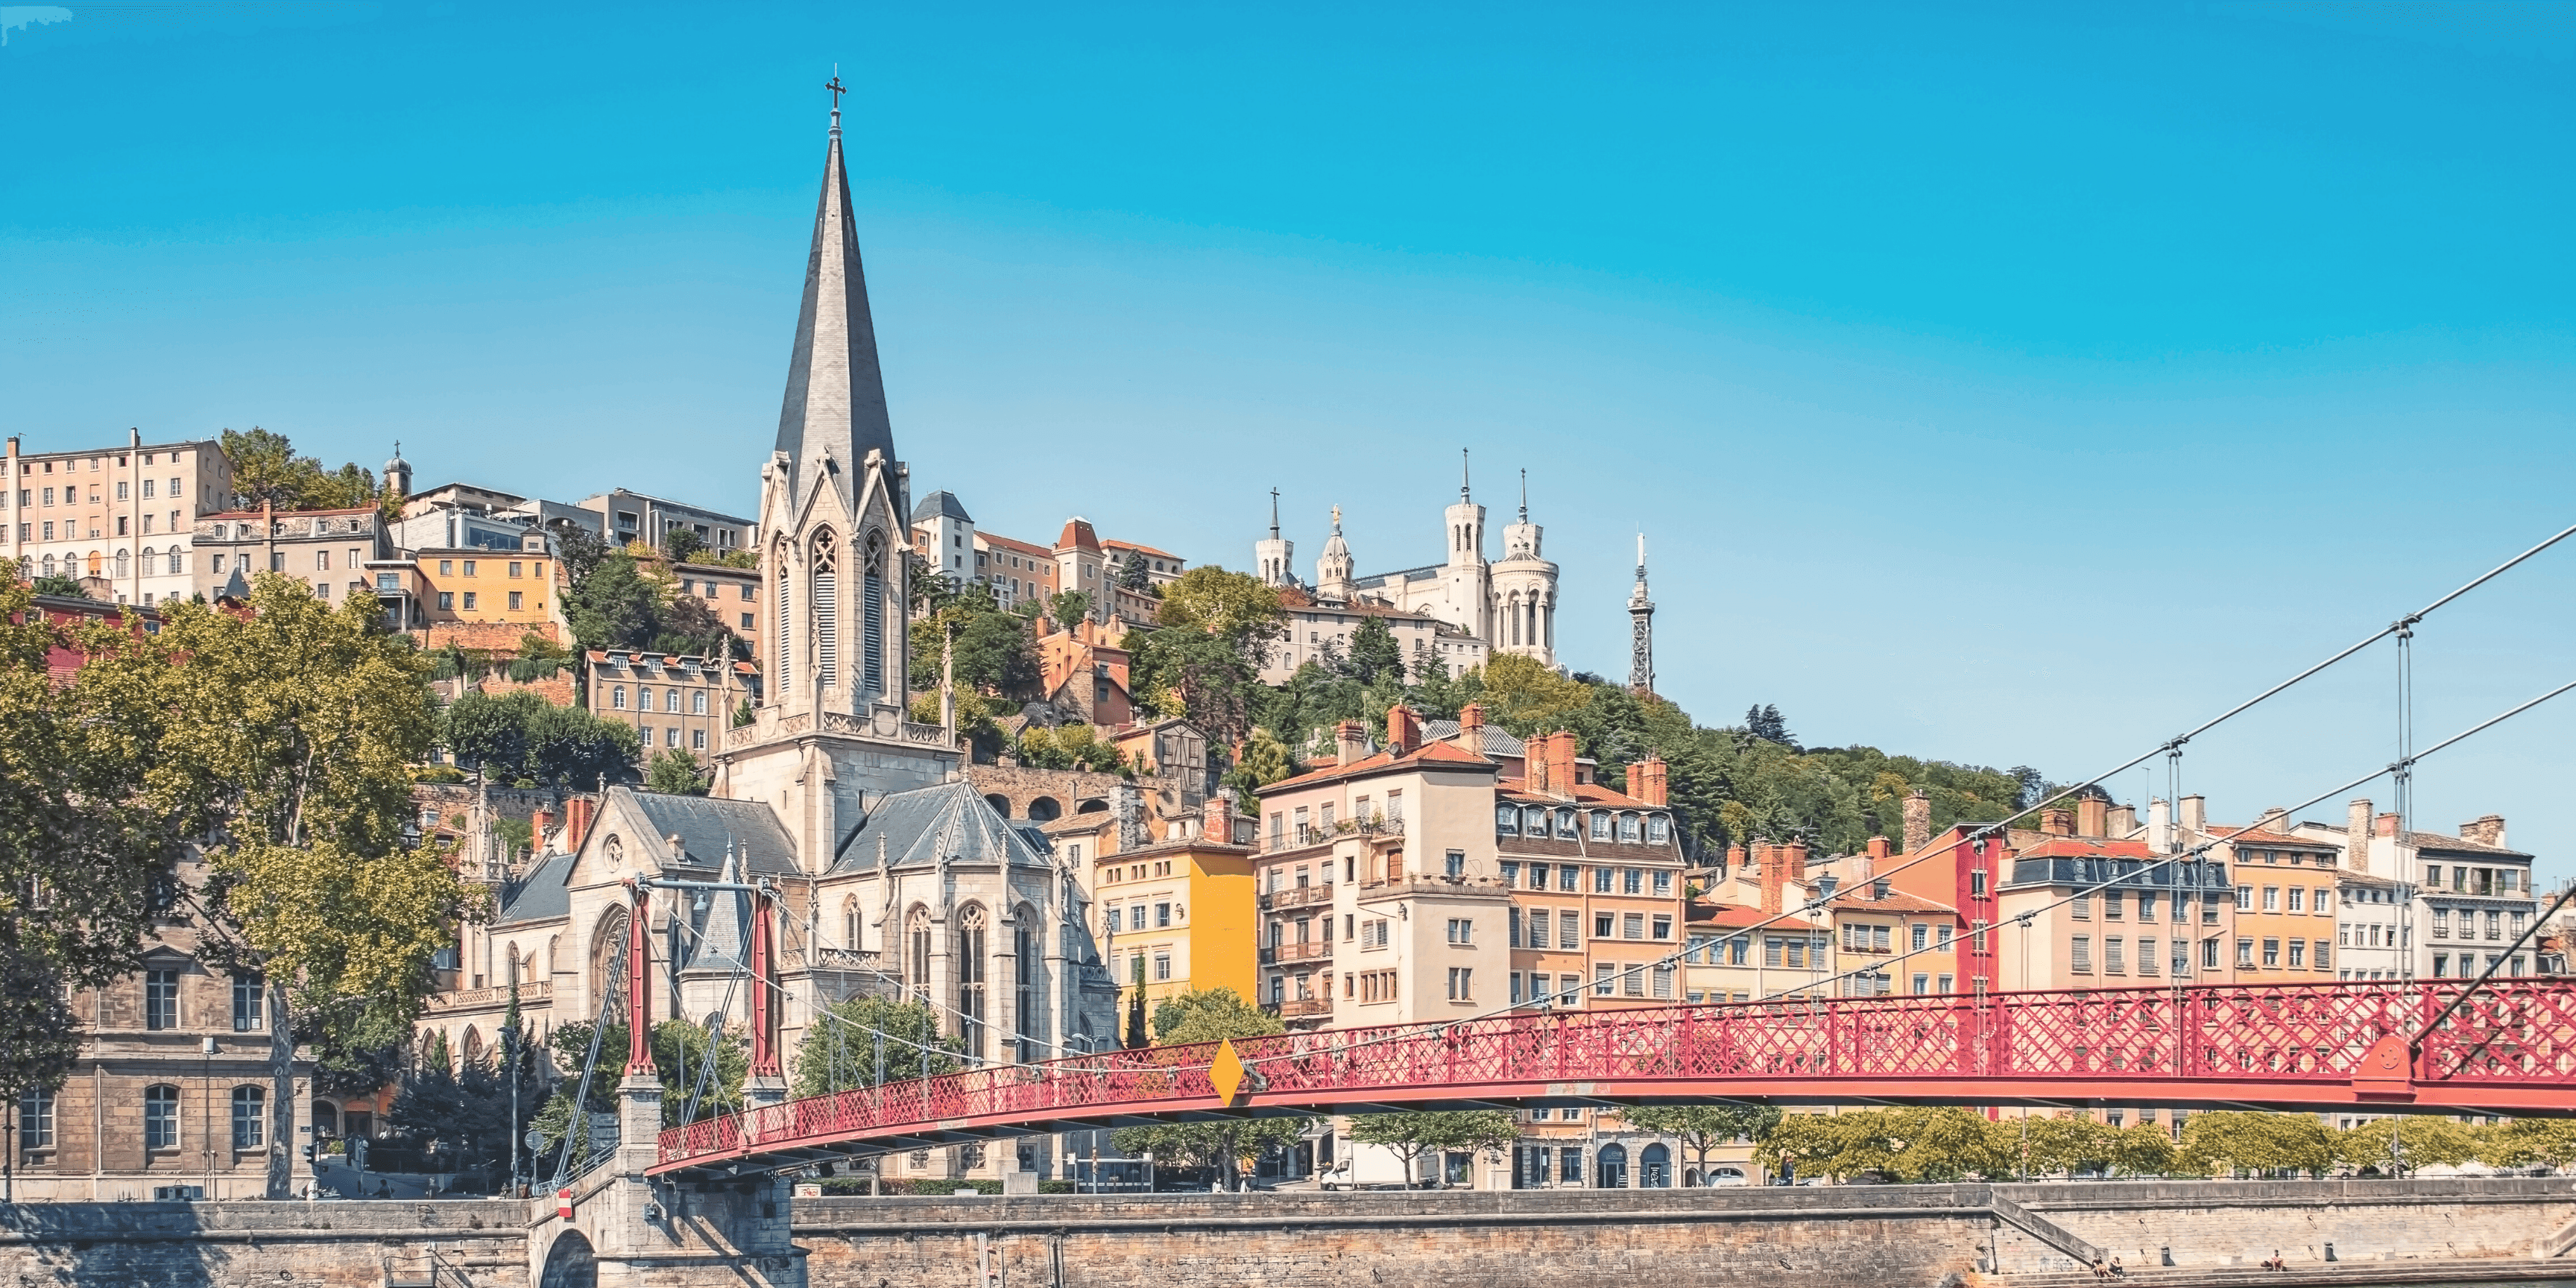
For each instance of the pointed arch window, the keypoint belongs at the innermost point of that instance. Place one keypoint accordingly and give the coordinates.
(970, 983)
(1024, 983)
(608, 965)
(784, 676)
(872, 618)
(826, 579)
(917, 953)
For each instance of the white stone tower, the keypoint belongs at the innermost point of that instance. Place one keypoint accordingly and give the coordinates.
(1524, 591)
(1272, 556)
(1333, 573)
(398, 472)
(1466, 579)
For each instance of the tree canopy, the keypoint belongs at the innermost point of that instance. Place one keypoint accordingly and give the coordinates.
(267, 470)
(841, 1048)
(520, 736)
(1226, 1145)
(1414, 1135)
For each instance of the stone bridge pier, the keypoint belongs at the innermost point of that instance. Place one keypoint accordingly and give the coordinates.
(628, 1230)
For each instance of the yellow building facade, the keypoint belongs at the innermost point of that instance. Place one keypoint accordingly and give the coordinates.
(1175, 916)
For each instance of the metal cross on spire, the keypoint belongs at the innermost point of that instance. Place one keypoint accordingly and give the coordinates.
(837, 88)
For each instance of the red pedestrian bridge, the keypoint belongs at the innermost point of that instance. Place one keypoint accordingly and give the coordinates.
(2448, 1046)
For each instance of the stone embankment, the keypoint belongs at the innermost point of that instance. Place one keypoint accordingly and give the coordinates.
(2180, 1234)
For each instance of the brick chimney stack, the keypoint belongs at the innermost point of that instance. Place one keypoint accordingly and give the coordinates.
(2092, 816)
(2275, 819)
(1736, 856)
(2057, 822)
(2356, 834)
(1403, 731)
(1558, 750)
(2123, 820)
(577, 817)
(1471, 728)
(2384, 825)
(1774, 861)
(1350, 742)
(540, 823)
(1796, 852)
(1637, 779)
(1659, 786)
(1918, 820)
(2486, 830)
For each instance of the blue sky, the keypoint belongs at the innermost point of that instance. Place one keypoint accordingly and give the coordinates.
(2007, 384)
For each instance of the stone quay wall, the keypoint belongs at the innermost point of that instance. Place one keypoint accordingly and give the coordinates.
(285, 1245)
(2211, 1224)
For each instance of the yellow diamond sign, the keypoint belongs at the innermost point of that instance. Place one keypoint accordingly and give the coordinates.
(1227, 1072)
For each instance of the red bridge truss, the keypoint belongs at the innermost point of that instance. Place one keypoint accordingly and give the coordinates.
(2510, 1048)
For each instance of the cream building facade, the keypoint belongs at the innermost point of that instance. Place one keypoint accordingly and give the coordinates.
(122, 514)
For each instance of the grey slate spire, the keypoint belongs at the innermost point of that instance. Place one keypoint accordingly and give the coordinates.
(836, 406)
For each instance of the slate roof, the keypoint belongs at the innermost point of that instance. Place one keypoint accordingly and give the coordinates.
(705, 824)
(539, 896)
(1375, 580)
(1430, 753)
(917, 828)
(1495, 741)
(942, 504)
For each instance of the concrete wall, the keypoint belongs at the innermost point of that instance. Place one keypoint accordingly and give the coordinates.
(290, 1245)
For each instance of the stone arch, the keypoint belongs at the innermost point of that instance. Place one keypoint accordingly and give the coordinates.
(1655, 1167)
(607, 959)
(1092, 805)
(326, 1118)
(1001, 804)
(471, 1049)
(570, 1263)
(1045, 809)
(1610, 1167)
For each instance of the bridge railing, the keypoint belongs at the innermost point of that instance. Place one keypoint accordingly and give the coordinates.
(2520, 1031)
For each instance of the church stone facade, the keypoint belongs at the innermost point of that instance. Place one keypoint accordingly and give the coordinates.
(895, 876)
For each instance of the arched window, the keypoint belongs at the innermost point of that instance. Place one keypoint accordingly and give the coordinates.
(93, 563)
(149, 554)
(917, 963)
(472, 1048)
(326, 1118)
(510, 965)
(780, 679)
(1024, 982)
(825, 578)
(1610, 1167)
(250, 1117)
(608, 964)
(161, 1117)
(1001, 805)
(969, 963)
(1655, 1167)
(850, 923)
(49, 565)
(1627, 827)
(872, 620)
(1045, 810)
(551, 945)
(178, 561)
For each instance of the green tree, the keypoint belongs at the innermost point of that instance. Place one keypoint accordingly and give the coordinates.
(1265, 761)
(2062, 1146)
(1705, 1129)
(2525, 1142)
(2400, 1144)
(1236, 607)
(1068, 606)
(2233, 1141)
(615, 606)
(842, 1048)
(66, 587)
(2143, 1150)
(675, 773)
(993, 649)
(1417, 1134)
(288, 734)
(681, 1053)
(1223, 1145)
(520, 735)
(682, 544)
(267, 470)
(1073, 746)
(1374, 653)
(1913, 1145)
(1133, 575)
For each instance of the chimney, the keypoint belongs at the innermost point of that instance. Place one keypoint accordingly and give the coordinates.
(2124, 820)
(2090, 812)
(1471, 728)
(1866, 868)
(542, 822)
(1403, 731)
(577, 816)
(2195, 814)
(1918, 820)
(2275, 819)
(1560, 762)
(1350, 741)
(1795, 854)
(2057, 822)
(2160, 832)
(2384, 825)
(2356, 834)
(1637, 779)
(2487, 830)
(1736, 856)
(1774, 869)
(1659, 786)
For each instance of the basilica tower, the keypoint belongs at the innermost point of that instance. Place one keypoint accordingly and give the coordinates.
(1272, 555)
(1333, 569)
(1465, 577)
(1524, 593)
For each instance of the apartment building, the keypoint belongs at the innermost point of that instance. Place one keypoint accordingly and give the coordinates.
(1767, 931)
(123, 517)
(732, 595)
(632, 516)
(1319, 629)
(1381, 895)
(1888, 941)
(329, 550)
(2285, 899)
(1596, 881)
(2096, 911)
(1177, 915)
(1018, 571)
(518, 590)
(675, 702)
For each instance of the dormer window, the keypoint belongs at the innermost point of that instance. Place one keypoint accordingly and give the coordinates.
(1507, 820)
(1627, 827)
(1600, 825)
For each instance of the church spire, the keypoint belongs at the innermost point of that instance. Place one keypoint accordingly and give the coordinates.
(835, 406)
(1462, 476)
(1524, 496)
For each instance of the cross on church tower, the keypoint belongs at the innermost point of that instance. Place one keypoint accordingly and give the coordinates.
(837, 88)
